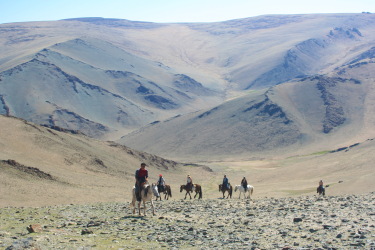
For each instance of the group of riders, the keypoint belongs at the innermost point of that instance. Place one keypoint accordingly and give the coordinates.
(141, 177)
(226, 184)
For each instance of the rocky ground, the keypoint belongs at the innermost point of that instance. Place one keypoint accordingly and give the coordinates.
(306, 222)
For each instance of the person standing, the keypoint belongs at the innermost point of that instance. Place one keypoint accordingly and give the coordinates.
(141, 177)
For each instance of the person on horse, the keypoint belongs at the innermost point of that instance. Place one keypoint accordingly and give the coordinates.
(161, 183)
(321, 189)
(189, 183)
(244, 183)
(225, 185)
(141, 177)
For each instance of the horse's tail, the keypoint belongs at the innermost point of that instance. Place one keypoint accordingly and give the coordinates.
(252, 189)
(169, 190)
(200, 192)
(230, 191)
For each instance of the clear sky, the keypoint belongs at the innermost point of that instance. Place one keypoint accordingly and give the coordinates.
(171, 10)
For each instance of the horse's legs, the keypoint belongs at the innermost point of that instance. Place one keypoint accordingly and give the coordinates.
(144, 207)
(153, 208)
(190, 195)
(139, 207)
(133, 203)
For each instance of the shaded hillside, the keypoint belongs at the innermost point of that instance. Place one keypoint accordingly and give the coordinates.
(314, 112)
(253, 123)
(67, 86)
(42, 166)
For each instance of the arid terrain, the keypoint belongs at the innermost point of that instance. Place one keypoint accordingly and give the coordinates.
(41, 166)
(303, 222)
(75, 192)
(284, 100)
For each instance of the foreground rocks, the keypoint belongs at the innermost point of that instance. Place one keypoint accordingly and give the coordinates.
(266, 223)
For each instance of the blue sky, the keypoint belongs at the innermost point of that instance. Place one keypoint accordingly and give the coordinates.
(171, 10)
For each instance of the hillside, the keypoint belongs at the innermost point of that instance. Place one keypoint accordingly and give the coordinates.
(40, 166)
(308, 114)
(285, 100)
(109, 77)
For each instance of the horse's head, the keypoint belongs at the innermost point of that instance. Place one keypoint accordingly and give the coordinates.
(220, 187)
(155, 190)
(182, 188)
(235, 189)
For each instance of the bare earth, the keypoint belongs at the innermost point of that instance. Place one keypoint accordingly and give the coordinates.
(78, 191)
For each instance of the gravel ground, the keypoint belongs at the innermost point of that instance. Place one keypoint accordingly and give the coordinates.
(306, 222)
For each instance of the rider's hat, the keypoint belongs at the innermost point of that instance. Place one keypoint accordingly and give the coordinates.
(160, 175)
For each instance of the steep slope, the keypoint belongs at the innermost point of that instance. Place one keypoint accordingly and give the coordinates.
(41, 166)
(314, 113)
(97, 97)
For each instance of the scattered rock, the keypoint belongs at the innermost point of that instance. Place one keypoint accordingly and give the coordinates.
(86, 231)
(297, 219)
(34, 228)
(301, 223)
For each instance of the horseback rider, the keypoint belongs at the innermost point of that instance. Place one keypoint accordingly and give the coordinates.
(141, 177)
(161, 183)
(225, 185)
(244, 183)
(321, 188)
(189, 183)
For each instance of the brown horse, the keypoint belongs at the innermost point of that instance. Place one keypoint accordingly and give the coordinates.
(167, 192)
(197, 188)
(230, 190)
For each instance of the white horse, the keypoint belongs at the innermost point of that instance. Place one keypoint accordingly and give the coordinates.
(249, 190)
(152, 190)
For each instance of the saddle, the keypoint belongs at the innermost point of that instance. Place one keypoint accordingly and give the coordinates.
(225, 187)
(161, 188)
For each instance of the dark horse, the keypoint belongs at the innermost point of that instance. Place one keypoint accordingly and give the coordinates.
(230, 190)
(197, 188)
(321, 190)
(167, 192)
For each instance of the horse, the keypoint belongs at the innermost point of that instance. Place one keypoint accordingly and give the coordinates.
(152, 190)
(230, 190)
(321, 190)
(167, 192)
(249, 190)
(197, 188)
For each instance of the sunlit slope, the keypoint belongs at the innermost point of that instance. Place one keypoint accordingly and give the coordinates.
(108, 77)
(320, 112)
(41, 166)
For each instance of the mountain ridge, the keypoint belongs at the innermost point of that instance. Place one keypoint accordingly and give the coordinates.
(132, 74)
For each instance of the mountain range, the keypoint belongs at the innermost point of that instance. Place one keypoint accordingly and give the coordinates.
(274, 84)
